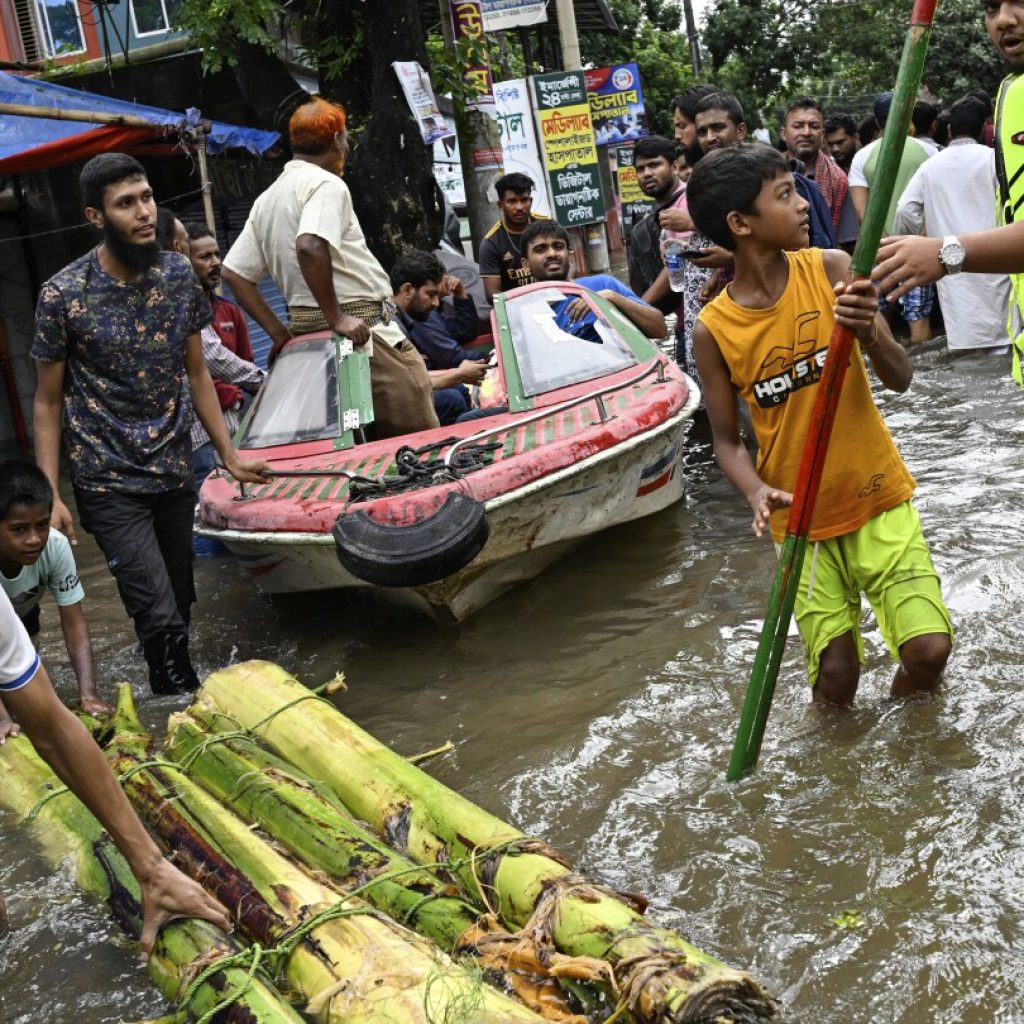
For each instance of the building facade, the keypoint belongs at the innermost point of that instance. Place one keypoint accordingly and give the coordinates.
(42, 33)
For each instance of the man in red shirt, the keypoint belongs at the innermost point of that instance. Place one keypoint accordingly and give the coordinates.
(231, 376)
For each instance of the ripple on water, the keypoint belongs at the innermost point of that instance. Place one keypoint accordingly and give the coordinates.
(869, 871)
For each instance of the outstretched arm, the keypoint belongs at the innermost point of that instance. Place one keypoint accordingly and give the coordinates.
(906, 261)
(79, 647)
(63, 742)
(251, 299)
(207, 407)
(857, 308)
(730, 452)
(650, 320)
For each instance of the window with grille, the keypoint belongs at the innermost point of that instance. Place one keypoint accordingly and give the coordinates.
(49, 28)
(56, 29)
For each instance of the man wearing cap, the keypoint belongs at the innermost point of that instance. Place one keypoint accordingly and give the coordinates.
(304, 233)
(916, 304)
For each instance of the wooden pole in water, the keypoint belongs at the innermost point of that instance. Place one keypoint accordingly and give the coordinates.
(764, 675)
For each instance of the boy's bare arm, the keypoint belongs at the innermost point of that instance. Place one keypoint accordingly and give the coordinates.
(857, 308)
(79, 647)
(62, 741)
(731, 453)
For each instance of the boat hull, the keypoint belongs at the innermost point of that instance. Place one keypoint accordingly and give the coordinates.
(530, 528)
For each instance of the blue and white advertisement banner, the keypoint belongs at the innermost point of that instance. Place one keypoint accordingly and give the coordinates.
(616, 104)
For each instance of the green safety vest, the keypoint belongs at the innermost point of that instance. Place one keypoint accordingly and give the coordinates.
(1010, 196)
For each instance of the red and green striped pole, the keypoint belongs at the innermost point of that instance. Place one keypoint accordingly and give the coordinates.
(761, 687)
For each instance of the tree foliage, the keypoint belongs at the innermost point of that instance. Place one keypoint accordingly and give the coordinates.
(843, 51)
(650, 35)
(389, 169)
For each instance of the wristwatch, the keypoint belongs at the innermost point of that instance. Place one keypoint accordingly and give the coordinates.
(952, 254)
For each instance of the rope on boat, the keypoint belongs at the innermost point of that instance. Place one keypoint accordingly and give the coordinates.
(412, 471)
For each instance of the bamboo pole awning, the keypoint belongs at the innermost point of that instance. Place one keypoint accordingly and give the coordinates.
(46, 125)
(87, 116)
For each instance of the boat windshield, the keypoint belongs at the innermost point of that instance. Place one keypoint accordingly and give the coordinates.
(299, 401)
(552, 351)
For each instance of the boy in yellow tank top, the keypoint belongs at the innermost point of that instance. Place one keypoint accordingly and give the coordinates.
(765, 339)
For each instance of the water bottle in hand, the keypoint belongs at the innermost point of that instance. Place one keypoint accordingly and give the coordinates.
(672, 247)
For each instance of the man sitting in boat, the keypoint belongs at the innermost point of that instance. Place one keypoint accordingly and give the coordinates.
(417, 280)
(304, 233)
(546, 249)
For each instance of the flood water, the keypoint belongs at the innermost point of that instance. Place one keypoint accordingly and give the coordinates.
(871, 870)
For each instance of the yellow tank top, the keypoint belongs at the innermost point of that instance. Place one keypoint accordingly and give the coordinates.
(775, 357)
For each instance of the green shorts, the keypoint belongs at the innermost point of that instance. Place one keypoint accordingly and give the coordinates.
(888, 561)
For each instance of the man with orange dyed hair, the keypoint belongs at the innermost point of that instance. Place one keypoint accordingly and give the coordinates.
(304, 233)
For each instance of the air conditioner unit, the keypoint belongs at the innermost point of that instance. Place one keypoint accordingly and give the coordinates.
(31, 32)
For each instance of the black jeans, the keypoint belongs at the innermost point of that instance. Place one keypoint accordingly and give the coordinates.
(147, 542)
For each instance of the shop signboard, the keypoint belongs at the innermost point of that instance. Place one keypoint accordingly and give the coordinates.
(519, 149)
(567, 143)
(635, 203)
(503, 14)
(617, 104)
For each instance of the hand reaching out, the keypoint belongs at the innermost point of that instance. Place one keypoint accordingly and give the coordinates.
(764, 502)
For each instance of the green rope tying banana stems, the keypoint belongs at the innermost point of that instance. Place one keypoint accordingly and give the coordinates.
(43, 801)
(476, 855)
(253, 956)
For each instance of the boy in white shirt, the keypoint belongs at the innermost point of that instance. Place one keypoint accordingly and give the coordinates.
(35, 558)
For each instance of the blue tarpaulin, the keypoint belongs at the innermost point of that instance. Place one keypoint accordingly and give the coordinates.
(35, 143)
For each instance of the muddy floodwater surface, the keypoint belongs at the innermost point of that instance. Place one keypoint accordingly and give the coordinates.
(870, 871)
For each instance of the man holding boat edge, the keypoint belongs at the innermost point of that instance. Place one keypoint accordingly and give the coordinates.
(120, 369)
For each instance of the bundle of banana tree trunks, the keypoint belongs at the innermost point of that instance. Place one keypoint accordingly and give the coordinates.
(361, 888)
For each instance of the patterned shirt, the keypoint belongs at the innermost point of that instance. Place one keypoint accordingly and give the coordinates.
(127, 400)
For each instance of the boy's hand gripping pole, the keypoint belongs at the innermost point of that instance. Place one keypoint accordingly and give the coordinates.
(764, 675)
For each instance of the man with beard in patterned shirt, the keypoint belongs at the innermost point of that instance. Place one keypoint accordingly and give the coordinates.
(120, 366)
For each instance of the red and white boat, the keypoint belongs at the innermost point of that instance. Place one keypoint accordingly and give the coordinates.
(447, 519)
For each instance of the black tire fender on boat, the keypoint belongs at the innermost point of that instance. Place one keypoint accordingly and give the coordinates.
(410, 556)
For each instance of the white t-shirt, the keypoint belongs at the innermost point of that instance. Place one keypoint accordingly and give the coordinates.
(18, 659)
(55, 570)
(307, 200)
(953, 193)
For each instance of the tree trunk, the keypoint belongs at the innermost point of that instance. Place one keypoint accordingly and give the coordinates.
(390, 170)
(268, 87)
